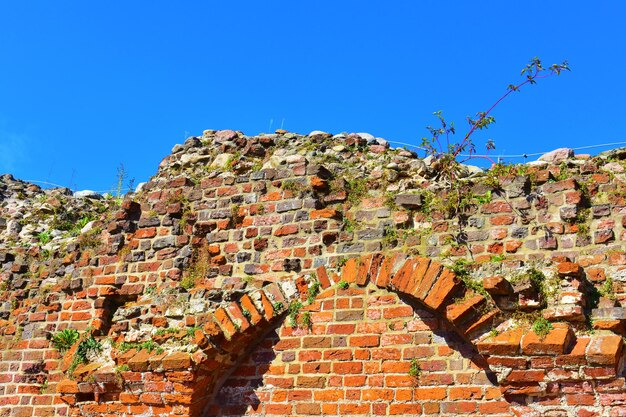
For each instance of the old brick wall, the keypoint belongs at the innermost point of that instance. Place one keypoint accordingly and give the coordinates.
(356, 360)
(180, 279)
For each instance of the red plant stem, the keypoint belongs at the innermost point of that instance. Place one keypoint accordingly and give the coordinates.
(473, 128)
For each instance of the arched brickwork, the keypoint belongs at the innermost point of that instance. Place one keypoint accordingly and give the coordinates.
(528, 367)
(300, 210)
(355, 358)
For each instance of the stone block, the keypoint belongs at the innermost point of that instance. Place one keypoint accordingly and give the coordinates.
(410, 201)
(176, 361)
(605, 350)
(555, 342)
(506, 343)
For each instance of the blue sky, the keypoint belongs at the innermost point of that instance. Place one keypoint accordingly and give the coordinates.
(85, 86)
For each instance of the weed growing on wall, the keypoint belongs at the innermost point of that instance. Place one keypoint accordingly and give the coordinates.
(87, 346)
(414, 369)
(542, 327)
(448, 154)
(65, 339)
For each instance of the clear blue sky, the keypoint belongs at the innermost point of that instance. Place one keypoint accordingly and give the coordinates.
(88, 85)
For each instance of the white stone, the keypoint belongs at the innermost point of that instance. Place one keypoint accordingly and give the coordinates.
(289, 289)
(614, 167)
(140, 186)
(295, 159)
(192, 159)
(87, 227)
(87, 194)
(221, 160)
(537, 163)
(558, 155)
(367, 136)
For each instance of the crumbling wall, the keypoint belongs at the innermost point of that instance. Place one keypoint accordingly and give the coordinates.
(179, 281)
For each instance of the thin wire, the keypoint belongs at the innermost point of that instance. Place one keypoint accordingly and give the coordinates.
(524, 155)
(63, 186)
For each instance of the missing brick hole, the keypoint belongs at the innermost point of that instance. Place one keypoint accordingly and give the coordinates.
(111, 305)
(82, 397)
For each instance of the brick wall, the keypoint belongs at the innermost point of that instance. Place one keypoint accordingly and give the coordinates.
(356, 360)
(207, 258)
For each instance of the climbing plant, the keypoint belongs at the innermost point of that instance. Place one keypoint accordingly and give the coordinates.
(448, 154)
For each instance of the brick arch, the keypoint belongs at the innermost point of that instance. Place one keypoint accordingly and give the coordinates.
(426, 281)
(356, 357)
(527, 365)
(183, 383)
(419, 279)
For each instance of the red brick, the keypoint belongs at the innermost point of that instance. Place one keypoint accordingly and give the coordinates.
(604, 350)
(459, 407)
(428, 393)
(506, 343)
(399, 381)
(419, 272)
(316, 342)
(494, 407)
(326, 213)
(384, 273)
(146, 233)
(401, 278)
(502, 220)
(139, 362)
(427, 282)
(497, 207)
(340, 328)
(497, 285)
(67, 386)
(224, 321)
(248, 305)
(308, 408)
(176, 361)
(278, 409)
(354, 408)
(405, 409)
(364, 268)
(442, 290)
(377, 394)
(459, 312)
(577, 355)
(365, 341)
(237, 316)
(375, 265)
(349, 271)
(554, 343)
(151, 398)
(289, 229)
(580, 399)
(268, 307)
(568, 269)
(508, 362)
(398, 312)
(347, 367)
(530, 375)
(311, 381)
(465, 393)
(322, 277)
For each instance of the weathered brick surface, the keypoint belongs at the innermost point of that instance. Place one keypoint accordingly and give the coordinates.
(366, 373)
(214, 250)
